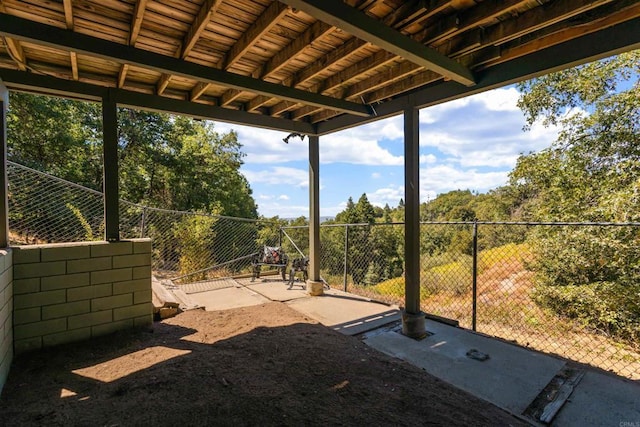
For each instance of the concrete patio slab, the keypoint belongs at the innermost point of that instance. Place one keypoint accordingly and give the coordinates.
(601, 400)
(224, 299)
(276, 289)
(511, 377)
(346, 313)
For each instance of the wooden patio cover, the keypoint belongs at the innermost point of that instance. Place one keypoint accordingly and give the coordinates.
(308, 66)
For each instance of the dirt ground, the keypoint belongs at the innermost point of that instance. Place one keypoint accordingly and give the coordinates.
(260, 365)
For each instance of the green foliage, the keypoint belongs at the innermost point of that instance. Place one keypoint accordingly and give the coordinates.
(591, 173)
(165, 161)
(195, 236)
(82, 220)
(609, 307)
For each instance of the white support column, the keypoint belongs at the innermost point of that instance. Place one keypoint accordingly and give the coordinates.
(413, 320)
(4, 201)
(314, 286)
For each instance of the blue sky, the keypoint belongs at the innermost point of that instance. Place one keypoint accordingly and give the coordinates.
(471, 143)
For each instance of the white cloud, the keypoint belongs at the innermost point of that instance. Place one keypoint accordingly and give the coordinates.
(428, 158)
(443, 178)
(283, 197)
(349, 147)
(390, 195)
(278, 175)
(376, 175)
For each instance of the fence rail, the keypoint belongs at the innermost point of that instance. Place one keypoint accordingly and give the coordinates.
(569, 288)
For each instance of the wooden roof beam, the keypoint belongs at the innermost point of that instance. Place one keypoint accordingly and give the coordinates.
(340, 15)
(255, 32)
(265, 22)
(191, 38)
(68, 18)
(315, 31)
(47, 35)
(14, 48)
(203, 18)
(134, 32)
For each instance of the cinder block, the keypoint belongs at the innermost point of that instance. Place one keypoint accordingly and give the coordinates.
(42, 269)
(65, 281)
(27, 315)
(99, 304)
(142, 321)
(110, 249)
(6, 294)
(89, 292)
(38, 329)
(110, 276)
(141, 272)
(5, 313)
(66, 337)
(6, 259)
(64, 252)
(142, 296)
(131, 260)
(27, 345)
(26, 286)
(90, 319)
(109, 328)
(39, 299)
(141, 246)
(132, 311)
(6, 277)
(66, 309)
(26, 254)
(131, 286)
(89, 264)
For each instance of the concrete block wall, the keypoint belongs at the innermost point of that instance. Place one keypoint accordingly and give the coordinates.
(6, 309)
(74, 291)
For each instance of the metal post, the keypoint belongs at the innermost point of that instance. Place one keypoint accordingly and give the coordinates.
(474, 273)
(346, 258)
(142, 222)
(315, 286)
(280, 237)
(4, 201)
(110, 165)
(413, 320)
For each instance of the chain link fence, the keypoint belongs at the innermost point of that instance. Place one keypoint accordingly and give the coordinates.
(570, 289)
(187, 247)
(566, 289)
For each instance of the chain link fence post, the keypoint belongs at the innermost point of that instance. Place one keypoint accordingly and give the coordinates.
(474, 276)
(346, 252)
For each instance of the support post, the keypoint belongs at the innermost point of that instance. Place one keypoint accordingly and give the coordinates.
(315, 286)
(474, 275)
(4, 193)
(346, 256)
(110, 167)
(413, 320)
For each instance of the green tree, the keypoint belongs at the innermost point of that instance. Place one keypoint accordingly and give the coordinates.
(591, 173)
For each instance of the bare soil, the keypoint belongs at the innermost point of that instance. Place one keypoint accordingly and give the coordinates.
(260, 365)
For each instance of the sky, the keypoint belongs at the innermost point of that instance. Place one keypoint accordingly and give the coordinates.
(470, 143)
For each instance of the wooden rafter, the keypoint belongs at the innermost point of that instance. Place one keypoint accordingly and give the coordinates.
(134, 32)
(258, 29)
(67, 40)
(340, 15)
(14, 47)
(352, 47)
(297, 45)
(196, 29)
(68, 17)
